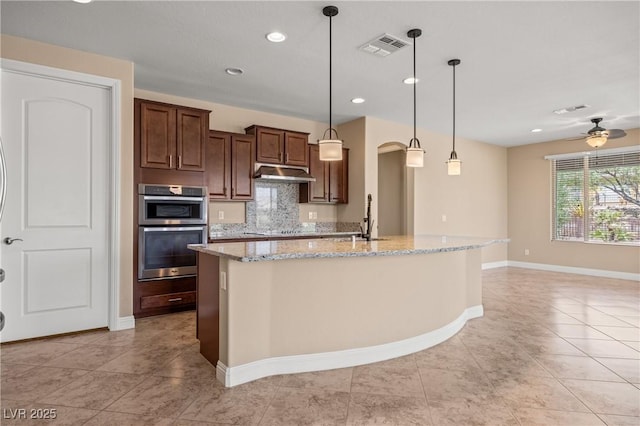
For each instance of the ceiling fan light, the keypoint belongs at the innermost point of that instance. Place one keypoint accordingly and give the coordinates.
(415, 157)
(330, 149)
(596, 141)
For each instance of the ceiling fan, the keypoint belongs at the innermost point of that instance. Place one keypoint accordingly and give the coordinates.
(598, 136)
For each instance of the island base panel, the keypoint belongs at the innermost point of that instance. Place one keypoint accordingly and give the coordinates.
(208, 311)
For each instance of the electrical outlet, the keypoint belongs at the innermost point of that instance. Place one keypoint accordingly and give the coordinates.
(526, 252)
(220, 214)
(310, 215)
(223, 280)
(444, 217)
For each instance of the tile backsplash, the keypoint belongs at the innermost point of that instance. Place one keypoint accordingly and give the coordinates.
(274, 208)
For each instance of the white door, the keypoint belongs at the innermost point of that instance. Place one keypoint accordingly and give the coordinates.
(56, 137)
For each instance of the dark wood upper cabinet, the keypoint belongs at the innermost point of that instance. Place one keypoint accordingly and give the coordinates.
(296, 152)
(218, 160)
(229, 174)
(318, 191)
(242, 153)
(280, 146)
(157, 136)
(269, 145)
(193, 127)
(339, 179)
(332, 179)
(172, 137)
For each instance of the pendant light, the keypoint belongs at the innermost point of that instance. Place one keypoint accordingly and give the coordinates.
(415, 153)
(330, 149)
(453, 164)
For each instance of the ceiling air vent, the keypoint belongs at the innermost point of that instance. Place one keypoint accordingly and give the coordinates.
(570, 109)
(384, 45)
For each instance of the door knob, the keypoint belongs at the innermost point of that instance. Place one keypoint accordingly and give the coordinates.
(8, 241)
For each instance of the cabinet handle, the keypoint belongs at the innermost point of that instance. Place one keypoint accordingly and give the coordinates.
(179, 161)
(176, 299)
(171, 161)
(286, 158)
(280, 157)
(224, 191)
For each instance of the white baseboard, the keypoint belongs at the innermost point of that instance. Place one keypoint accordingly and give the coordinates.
(232, 376)
(124, 323)
(573, 270)
(492, 265)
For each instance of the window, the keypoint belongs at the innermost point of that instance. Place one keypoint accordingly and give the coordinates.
(596, 197)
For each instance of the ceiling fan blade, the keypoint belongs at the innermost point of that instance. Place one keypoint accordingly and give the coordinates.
(616, 133)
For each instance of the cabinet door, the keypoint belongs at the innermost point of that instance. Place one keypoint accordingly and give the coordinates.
(296, 152)
(318, 190)
(157, 136)
(218, 159)
(242, 151)
(269, 145)
(339, 179)
(193, 129)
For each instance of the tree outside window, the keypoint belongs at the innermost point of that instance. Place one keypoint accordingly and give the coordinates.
(597, 198)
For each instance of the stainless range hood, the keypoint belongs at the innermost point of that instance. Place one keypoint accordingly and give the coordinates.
(283, 174)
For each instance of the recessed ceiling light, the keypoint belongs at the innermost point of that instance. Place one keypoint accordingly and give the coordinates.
(536, 130)
(357, 100)
(234, 71)
(82, 1)
(276, 37)
(410, 80)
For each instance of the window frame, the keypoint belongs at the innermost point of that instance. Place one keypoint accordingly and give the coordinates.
(586, 158)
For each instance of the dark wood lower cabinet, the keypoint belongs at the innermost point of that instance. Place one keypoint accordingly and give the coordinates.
(166, 300)
(158, 297)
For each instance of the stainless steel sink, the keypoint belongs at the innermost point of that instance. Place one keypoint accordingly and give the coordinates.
(358, 239)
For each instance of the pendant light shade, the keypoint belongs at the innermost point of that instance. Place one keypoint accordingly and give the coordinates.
(330, 149)
(415, 153)
(453, 164)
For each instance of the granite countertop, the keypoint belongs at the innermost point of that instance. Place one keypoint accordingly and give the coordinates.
(342, 247)
(220, 237)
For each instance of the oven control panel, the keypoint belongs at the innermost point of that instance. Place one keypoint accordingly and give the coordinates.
(172, 190)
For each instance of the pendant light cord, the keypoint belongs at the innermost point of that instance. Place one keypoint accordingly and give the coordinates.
(454, 108)
(415, 83)
(330, 75)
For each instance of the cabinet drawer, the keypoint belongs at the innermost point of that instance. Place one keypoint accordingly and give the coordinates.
(170, 299)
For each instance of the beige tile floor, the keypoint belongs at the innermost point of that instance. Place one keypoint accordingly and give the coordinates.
(552, 349)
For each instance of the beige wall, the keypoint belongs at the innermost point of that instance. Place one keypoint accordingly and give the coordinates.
(530, 212)
(474, 203)
(24, 50)
(353, 135)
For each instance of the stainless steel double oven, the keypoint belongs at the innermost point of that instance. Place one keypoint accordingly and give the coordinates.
(170, 218)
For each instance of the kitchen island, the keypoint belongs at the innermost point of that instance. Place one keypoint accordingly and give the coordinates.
(276, 307)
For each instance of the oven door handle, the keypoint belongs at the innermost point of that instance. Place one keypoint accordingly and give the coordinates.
(171, 198)
(172, 228)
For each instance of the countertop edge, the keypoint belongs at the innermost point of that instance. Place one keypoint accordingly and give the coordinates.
(303, 255)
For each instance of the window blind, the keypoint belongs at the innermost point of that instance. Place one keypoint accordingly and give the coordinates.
(596, 196)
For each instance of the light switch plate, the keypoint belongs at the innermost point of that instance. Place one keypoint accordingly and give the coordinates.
(220, 214)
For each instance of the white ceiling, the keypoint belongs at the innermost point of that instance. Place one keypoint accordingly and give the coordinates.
(520, 60)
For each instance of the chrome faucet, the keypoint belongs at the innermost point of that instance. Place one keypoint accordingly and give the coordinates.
(368, 221)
